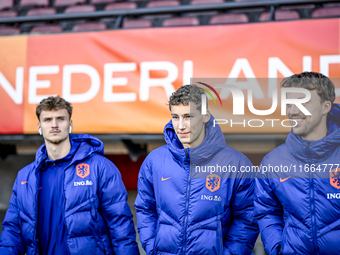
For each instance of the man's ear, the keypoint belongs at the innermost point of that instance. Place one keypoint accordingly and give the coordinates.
(327, 107)
(71, 126)
(39, 129)
(206, 117)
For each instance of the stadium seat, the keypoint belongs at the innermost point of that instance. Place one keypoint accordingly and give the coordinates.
(120, 6)
(34, 3)
(197, 2)
(7, 14)
(156, 4)
(47, 29)
(203, 15)
(181, 21)
(280, 15)
(326, 12)
(137, 23)
(158, 18)
(6, 4)
(89, 26)
(68, 2)
(299, 6)
(41, 11)
(80, 8)
(229, 18)
(103, 1)
(9, 30)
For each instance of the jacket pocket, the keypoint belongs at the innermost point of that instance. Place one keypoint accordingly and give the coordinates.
(155, 239)
(284, 235)
(96, 229)
(219, 235)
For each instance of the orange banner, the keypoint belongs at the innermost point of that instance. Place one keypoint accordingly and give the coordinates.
(119, 81)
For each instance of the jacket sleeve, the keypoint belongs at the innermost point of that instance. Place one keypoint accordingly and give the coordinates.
(146, 208)
(269, 213)
(243, 231)
(116, 211)
(11, 238)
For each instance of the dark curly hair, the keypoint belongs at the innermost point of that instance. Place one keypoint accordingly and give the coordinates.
(53, 103)
(186, 94)
(312, 80)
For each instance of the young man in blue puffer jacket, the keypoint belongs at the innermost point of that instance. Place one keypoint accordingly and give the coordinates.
(71, 199)
(298, 209)
(181, 209)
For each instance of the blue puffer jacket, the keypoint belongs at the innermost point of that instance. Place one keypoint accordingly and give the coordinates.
(300, 211)
(97, 216)
(179, 213)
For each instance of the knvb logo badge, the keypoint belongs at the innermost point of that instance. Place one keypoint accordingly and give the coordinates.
(334, 178)
(213, 182)
(83, 170)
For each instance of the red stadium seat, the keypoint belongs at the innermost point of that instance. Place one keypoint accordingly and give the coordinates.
(229, 18)
(47, 29)
(120, 6)
(137, 23)
(280, 15)
(80, 8)
(103, 1)
(181, 21)
(7, 14)
(68, 2)
(203, 13)
(326, 12)
(299, 6)
(89, 26)
(41, 11)
(156, 4)
(197, 2)
(5, 4)
(9, 31)
(34, 3)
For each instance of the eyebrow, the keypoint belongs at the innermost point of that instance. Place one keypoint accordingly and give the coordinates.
(50, 117)
(185, 114)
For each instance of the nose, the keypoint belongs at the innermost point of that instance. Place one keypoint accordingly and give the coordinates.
(293, 110)
(54, 123)
(181, 124)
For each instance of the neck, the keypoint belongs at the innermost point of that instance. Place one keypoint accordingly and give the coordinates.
(58, 151)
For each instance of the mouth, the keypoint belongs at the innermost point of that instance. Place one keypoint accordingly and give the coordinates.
(55, 131)
(296, 121)
(184, 134)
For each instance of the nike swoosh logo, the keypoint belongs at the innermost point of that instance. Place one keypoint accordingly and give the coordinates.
(164, 179)
(22, 183)
(282, 180)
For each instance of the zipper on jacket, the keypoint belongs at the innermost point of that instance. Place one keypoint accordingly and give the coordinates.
(186, 207)
(311, 184)
(36, 214)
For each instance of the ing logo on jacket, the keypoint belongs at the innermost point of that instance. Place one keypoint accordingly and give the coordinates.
(213, 182)
(83, 170)
(334, 178)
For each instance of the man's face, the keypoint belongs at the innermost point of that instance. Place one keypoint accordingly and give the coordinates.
(189, 124)
(309, 127)
(55, 125)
